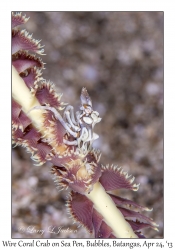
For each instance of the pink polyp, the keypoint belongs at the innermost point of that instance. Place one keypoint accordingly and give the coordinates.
(113, 178)
(21, 41)
(81, 210)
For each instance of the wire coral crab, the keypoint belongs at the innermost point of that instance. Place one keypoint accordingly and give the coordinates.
(52, 133)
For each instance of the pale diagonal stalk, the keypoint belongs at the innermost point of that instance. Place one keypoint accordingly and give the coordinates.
(101, 200)
(111, 214)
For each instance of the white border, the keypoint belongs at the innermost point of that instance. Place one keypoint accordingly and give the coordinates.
(5, 94)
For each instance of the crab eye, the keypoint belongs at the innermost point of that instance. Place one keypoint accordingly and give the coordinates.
(87, 109)
(87, 120)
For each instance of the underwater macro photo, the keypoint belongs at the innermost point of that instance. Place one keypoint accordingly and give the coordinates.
(118, 58)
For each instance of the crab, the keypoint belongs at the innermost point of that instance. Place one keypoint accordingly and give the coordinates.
(79, 126)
